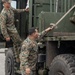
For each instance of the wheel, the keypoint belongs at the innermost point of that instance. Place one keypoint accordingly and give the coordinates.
(63, 65)
(9, 63)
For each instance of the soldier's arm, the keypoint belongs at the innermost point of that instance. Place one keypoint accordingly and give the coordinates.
(18, 10)
(24, 57)
(3, 26)
(44, 32)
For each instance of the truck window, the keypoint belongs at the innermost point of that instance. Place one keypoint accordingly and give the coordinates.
(13, 4)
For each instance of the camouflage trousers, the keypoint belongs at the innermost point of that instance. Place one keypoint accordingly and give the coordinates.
(16, 46)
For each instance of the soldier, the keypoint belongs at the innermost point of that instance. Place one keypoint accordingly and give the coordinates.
(8, 28)
(28, 55)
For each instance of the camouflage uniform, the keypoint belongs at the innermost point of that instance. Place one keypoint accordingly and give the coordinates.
(8, 28)
(28, 55)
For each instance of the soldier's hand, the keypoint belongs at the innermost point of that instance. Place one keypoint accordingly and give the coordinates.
(8, 39)
(52, 25)
(27, 71)
(27, 9)
(49, 28)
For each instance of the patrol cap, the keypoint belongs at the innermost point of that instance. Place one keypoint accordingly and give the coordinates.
(4, 1)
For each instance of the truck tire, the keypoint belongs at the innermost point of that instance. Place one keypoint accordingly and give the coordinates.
(9, 63)
(63, 65)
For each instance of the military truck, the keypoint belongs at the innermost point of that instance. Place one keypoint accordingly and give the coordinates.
(56, 54)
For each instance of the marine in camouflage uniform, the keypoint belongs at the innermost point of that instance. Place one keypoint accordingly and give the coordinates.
(8, 28)
(28, 56)
(29, 51)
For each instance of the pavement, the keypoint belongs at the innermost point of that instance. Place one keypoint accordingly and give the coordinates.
(2, 61)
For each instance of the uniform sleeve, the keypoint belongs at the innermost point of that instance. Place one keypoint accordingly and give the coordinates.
(24, 57)
(41, 35)
(3, 26)
(18, 10)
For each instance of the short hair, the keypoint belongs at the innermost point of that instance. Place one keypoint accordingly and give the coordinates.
(32, 30)
(4, 1)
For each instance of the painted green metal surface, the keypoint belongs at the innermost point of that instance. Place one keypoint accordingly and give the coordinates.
(61, 5)
(36, 6)
(57, 9)
(65, 27)
(41, 1)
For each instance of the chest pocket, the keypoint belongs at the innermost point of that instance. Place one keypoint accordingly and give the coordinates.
(10, 15)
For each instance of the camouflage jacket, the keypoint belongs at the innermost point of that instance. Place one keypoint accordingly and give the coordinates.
(28, 55)
(7, 21)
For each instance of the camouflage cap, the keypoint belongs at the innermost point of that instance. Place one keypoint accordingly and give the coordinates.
(9, 1)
